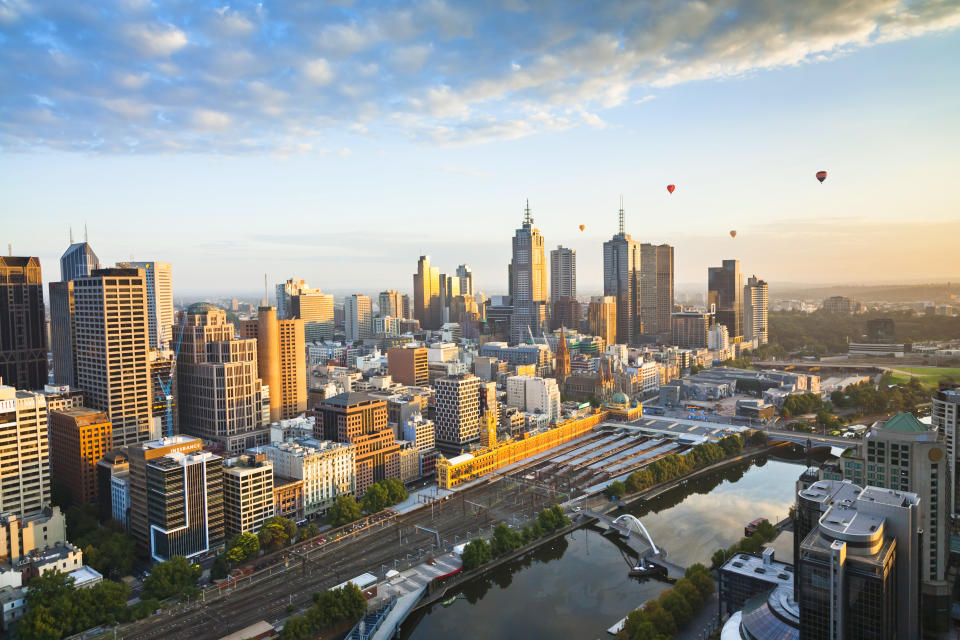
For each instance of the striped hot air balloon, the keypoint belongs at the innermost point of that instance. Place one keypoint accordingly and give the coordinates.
(821, 176)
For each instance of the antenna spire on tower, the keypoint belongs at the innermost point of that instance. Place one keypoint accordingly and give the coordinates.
(527, 219)
(71, 235)
(621, 214)
(85, 239)
(266, 297)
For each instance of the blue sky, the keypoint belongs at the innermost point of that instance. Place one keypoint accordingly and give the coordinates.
(337, 142)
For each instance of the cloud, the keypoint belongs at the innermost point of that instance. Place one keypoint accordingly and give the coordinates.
(156, 40)
(318, 71)
(276, 78)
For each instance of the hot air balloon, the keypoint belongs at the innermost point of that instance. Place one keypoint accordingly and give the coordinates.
(671, 187)
(582, 227)
(733, 233)
(821, 176)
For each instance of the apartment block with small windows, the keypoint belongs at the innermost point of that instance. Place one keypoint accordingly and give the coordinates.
(25, 463)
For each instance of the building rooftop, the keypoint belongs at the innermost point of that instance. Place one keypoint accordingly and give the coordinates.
(349, 399)
(904, 423)
(831, 492)
(760, 567)
(841, 520)
(889, 496)
(85, 575)
(170, 441)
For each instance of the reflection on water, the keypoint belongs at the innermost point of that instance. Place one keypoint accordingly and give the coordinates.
(578, 586)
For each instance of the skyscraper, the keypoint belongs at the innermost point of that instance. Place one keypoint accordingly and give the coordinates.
(945, 418)
(358, 317)
(466, 279)
(656, 289)
(23, 337)
(159, 300)
(528, 275)
(111, 351)
(78, 261)
(755, 310)
(25, 465)
(293, 369)
(725, 296)
(563, 273)
(690, 330)
(220, 396)
(621, 280)
(426, 294)
(295, 299)
(286, 291)
(602, 317)
(391, 304)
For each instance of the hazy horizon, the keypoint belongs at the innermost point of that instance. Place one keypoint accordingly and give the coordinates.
(337, 144)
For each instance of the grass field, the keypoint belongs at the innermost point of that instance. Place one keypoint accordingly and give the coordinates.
(929, 376)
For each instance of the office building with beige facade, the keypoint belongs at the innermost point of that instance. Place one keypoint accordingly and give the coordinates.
(281, 360)
(111, 351)
(408, 365)
(25, 463)
(220, 396)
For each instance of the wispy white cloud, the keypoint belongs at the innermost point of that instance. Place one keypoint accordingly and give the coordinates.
(252, 76)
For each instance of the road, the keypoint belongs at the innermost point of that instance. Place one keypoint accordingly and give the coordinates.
(375, 550)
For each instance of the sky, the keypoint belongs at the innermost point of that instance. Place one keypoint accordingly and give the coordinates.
(337, 142)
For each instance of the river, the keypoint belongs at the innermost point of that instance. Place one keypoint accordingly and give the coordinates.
(578, 586)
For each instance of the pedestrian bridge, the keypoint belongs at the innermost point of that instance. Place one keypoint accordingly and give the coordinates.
(643, 544)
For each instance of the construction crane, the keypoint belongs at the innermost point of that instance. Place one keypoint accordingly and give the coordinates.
(168, 387)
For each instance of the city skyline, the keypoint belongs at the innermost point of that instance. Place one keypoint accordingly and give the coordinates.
(445, 152)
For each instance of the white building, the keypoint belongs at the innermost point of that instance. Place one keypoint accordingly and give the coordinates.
(358, 317)
(120, 496)
(25, 463)
(442, 352)
(945, 418)
(326, 468)
(386, 324)
(718, 338)
(534, 395)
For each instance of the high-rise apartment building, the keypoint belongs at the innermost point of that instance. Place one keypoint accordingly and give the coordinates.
(858, 561)
(725, 296)
(23, 336)
(907, 455)
(219, 390)
(656, 289)
(602, 317)
(176, 498)
(324, 469)
(465, 276)
(408, 365)
(945, 418)
(79, 437)
(25, 463)
(159, 284)
(361, 420)
(358, 320)
(621, 280)
(755, 310)
(247, 493)
(528, 282)
(690, 329)
(457, 411)
(391, 304)
(563, 273)
(112, 351)
(426, 295)
(297, 300)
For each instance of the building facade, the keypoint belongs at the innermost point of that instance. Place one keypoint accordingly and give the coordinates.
(247, 493)
(755, 299)
(656, 289)
(358, 317)
(563, 273)
(112, 351)
(725, 296)
(220, 394)
(408, 365)
(25, 463)
(691, 329)
(602, 316)
(426, 295)
(79, 437)
(528, 282)
(159, 283)
(621, 281)
(293, 368)
(23, 335)
(391, 303)
(457, 410)
(326, 469)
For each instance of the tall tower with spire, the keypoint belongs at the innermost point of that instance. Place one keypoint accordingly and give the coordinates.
(621, 279)
(528, 281)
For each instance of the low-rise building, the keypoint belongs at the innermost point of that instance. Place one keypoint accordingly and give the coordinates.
(288, 498)
(247, 493)
(326, 468)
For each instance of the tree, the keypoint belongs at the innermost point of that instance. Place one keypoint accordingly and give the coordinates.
(344, 511)
(396, 493)
(243, 547)
(678, 608)
(504, 540)
(175, 577)
(219, 569)
(375, 498)
(476, 553)
(309, 531)
(108, 550)
(690, 593)
(273, 536)
(297, 628)
(660, 618)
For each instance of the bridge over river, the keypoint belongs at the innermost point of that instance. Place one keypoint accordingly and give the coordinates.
(638, 538)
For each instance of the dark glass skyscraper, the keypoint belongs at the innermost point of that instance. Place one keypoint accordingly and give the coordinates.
(78, 261)
(621, 279)
(528, 275)
(23, 340)
(725, 295)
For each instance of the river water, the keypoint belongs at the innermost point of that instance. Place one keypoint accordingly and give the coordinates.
(577, 586)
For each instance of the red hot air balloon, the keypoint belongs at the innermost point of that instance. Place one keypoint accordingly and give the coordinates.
(821, 176)
(671, 187)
